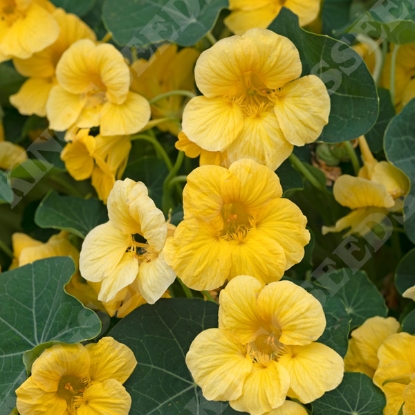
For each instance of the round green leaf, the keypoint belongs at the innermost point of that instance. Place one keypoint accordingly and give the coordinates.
(353, 96)
(356, 395)
(75, 6)
(160, 336)
(408, 323)
(139, 23)
(405, 273)
(6, 193)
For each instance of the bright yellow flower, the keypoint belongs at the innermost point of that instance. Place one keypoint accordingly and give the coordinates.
(395, 374)
(111, 254)
(40, 67)
(102, 158)
(264, 349)
(165, 71)
(235, 222)
(248, 14)
(26, 27)
(77, 380)
(93, 90)
(253, 105)
(361, 355)
(375, 191)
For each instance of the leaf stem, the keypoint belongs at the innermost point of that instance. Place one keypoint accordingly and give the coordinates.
(177, 179)
(6, 249)
(65, 185)
(166, 199)
(393, 70)
(157, 146)
(208, 296)
(211, 38)
(303, 170)
(185, 288)
(183, 92)
(353, 157)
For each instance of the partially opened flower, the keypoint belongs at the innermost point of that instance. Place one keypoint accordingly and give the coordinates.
(264, 349)
(41, 66)
(79, 380)
(11, 155)
(372, 194)
(395, 374)
(235, 222)
(27, 26)
(116, 255)
(94, 90)
(254, 104)
(365, 341)
(167, 70)
(247, 14)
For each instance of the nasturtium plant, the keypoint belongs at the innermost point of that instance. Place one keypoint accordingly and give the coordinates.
(207, 207)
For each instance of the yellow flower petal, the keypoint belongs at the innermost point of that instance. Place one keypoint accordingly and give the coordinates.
(154, 277)
(396, 183)
(126, 118)
(191, 149)
(239, 21)
(63, 108)
(238, 312)
(264, 389)
(212, 123)
(110, 360)
(102, 179)
(283, 221)
(261, 139)
(313, 369)
(353, 361)
(302, 108)
(355, 192)
(298, 315)
(32, 97)
(409, 398)
(198, 256)
(409, 293)
(11, 154)
(218, 365)
(397, 347)
(31, 32)
(21, 241)
(32, 400)
(289, 408)
(307, 11)
(108, 397)
(58, 361)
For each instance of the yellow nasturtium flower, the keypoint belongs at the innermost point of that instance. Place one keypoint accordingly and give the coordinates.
(254, 104)
(111, 253)
(248, 14)
(102, 158)
(79, 380)
(40, 67)
(26, 27)
(235, 222)
(265, 348)
(94, 90)
(11, 155)
(395, 374)
(166, 70)
(375, 191)
(365, 341)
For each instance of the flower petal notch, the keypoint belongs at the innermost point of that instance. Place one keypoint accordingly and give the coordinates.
(261, 354)
(235, 222)
(254, 102)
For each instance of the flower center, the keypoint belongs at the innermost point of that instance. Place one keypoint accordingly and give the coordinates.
(71, 386)
(95, 94)
(8, 12)
(265, 348)
(237, 221)
(142, 250)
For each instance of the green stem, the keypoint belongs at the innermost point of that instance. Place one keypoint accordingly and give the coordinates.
(211, 38)
(166, 199)
(208, 296)
(65, 185)
(393, 69)
(6, 249)
(396, 245)
(186, 289)
(304, 171)
(177, 179)
(183, 92)
(157, 146)
(353, 157)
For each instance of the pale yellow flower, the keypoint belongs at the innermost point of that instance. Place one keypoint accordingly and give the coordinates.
(248, 14)
(77, 380)
(264, 349)
(365, 341)
(395, 374)
(111, 254)
(375, 191)
(166, 70)
(11, 155)
(40, 67)
(254, 104)
(94, 90)
(409, 293)
(103, 159)
(26, 27)
(235, 222)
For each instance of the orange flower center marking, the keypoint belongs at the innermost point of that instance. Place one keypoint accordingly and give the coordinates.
(71, 386)
(237, 221)
(265, 348)
(142, 250)
(95, 94)
(8, 12)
